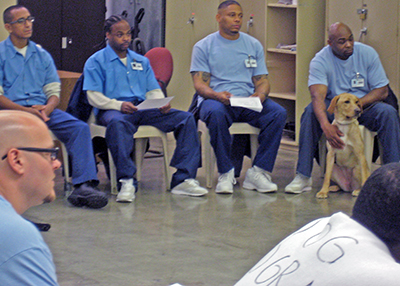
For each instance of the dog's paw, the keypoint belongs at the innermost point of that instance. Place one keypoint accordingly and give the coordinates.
(334, 188)
(355, 193)
(322, 194)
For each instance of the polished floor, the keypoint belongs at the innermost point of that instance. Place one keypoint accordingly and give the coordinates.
(162, 239)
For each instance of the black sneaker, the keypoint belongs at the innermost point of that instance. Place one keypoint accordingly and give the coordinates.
(86, 195)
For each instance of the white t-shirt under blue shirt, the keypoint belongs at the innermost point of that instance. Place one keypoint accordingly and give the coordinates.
(363, 67)
(226, 60)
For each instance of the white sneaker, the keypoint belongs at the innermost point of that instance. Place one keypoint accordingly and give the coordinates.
(259, 179)
(127, 192)
(299, 184)
(189, 187)
(226, 182)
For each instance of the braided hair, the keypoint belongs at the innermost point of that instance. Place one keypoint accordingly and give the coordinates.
(111, 21)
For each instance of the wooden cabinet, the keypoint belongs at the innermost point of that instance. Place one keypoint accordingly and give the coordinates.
(301, 25)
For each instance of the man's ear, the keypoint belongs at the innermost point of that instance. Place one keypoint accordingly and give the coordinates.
(8, 28)
(16, 161)
(218, 17)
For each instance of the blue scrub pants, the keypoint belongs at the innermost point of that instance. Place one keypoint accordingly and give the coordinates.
(121, 128)
(75, 134)
(219, 117)
(379, 117)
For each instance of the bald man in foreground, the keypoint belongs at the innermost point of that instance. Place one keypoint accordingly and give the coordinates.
(27, 165)
(344, 66)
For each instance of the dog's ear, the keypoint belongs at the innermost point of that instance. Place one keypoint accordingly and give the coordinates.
(332, 106)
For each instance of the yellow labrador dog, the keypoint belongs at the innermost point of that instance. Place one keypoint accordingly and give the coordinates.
(348, 166)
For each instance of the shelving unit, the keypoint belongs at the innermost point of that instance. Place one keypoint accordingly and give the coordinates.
(303, 25)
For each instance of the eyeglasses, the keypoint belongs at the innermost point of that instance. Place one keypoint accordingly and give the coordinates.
(53, 151)
(23, 20)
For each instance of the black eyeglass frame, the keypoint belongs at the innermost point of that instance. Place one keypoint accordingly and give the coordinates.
(53, 151)
(23, 20)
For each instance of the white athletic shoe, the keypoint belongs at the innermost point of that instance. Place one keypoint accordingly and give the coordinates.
(259, 179)
(127, 192)
(299, 184)
(189, 187)
(226, 182)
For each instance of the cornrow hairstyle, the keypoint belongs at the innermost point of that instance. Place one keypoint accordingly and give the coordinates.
(108, 23)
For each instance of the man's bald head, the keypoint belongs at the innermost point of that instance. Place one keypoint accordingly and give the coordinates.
(18, 128)
(341, 40)
(337, 28)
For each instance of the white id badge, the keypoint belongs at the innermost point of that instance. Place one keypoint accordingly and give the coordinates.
(137, 66)
(357, 82)
(250, 63)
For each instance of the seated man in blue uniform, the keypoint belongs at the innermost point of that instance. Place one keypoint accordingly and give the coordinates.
(29, 82)
(344, 66)
(27, 165)
(230, 63)
(117, 80)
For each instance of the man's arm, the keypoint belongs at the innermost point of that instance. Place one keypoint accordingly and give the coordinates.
(201, 81)
(377, 94)
(100, 101)
(261, 86)
(332, 133)
(5, 103)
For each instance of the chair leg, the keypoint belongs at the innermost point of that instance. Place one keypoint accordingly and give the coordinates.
(322, 154)
(113, 174)
(140, 149)
(209, 159)
(253, 145)
(368, 137)
(166, 161)
(65, 161)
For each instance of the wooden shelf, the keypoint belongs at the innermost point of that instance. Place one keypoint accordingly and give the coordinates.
(281, 51)
(278, 5)
(283, 95)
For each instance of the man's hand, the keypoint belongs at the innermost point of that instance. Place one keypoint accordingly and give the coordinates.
(42, 111)
(223, 97)
(333, 135)
(128, 107)
(165, 108)
(262, 96)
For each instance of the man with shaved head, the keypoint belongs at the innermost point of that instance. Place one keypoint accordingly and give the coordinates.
(345, 66)
(27, 165)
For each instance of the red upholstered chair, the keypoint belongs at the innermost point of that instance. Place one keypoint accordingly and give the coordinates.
(162, 65)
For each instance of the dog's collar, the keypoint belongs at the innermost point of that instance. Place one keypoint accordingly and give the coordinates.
(346, 122)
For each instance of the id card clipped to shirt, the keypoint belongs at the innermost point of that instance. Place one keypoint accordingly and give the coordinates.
(137, 66)
(358, 81)
(250, 63)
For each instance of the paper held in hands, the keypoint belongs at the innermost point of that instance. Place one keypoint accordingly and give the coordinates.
(253, 103)
(154, 103)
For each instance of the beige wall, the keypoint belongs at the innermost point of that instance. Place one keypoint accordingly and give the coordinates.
(3, 5)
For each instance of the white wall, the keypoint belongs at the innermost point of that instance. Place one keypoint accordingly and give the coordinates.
(3, 5)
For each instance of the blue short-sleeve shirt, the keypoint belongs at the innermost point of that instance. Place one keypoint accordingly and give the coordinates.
(226, 59)
(339, 75)
(104, 72)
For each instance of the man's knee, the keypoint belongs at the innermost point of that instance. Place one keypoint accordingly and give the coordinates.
(212, 109)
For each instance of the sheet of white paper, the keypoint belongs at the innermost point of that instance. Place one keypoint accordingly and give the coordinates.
(154, 103)
(253, 103)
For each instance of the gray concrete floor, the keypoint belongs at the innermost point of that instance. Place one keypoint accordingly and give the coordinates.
(162, 239)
